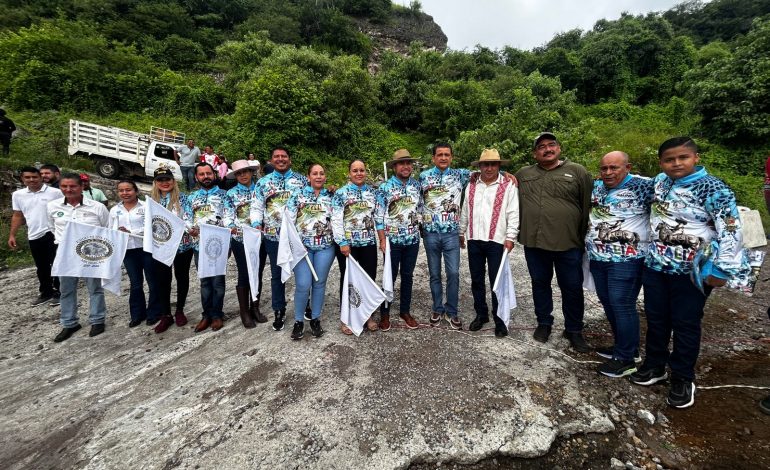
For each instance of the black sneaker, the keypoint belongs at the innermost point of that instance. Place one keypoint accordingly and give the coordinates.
(605, 352)
(435, 318)
(577, 342)
(280, 319)
(315, 328)
(649, 375)
(681, 394)
(542, 333)
(308, 313)
(615, 368)
(55, 299)
(764, 405)
(455, 323)
(96, 330)
(299, 330)
(41, 299)
(65, 333)
(477, 323)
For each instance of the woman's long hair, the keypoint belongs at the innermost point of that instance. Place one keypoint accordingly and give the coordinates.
(173, 201)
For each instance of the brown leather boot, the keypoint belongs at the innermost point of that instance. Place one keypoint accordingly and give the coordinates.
(258, 316)
(243, 306)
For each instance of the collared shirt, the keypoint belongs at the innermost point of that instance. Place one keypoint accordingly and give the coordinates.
(87, 212)
(441, 193)
(270, 197)
(686, 215)
(399, 210)
(491, 204)
(206, 207)
(238, 210)
(188, 156)
(353, 215)
(165, 200)
(619, 226)
(94, 194)
(312, 215)
(554, 206)
(132, 219)
(33, 206)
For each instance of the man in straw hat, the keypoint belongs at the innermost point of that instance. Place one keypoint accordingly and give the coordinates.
(555, 202)
(397, 215)
(490, 222)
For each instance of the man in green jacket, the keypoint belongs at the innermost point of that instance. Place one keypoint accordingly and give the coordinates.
(555, 201)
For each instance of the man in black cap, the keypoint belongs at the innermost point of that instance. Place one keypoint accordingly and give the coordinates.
(555, 202)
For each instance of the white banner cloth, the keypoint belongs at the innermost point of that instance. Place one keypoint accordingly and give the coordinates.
(360, 297)
(387, 273)
(252, 241)
(91, 251)
(290, 247)
(213, 248)
(163, 232)
(504, 290)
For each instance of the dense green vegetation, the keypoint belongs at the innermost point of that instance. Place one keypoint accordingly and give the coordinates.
(249, 74)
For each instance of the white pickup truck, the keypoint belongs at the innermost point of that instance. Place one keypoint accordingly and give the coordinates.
(120, 152)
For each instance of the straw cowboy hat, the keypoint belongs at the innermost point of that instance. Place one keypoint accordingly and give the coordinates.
(401, 155)
(490, 156)
(242, 165)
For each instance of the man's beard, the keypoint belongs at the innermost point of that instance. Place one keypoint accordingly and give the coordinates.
(206, 184)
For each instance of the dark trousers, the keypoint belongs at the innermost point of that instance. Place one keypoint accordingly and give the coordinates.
(673, 304)
(340, 265)
(262, 262)
(366, 257)
(44, 252)
(239, 253)
(403, 258)
(212, 295)
(569, 275)
(484, 258)
(181, 267)
(617, 286)
(139, 265)
(277, 288)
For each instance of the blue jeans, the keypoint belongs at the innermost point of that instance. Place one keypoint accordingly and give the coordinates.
(569, 276)
(212, 295)
(303, 278)
(277, 288)
(448, 245)
(139, 264)
(618, 285)
(69, 301)
(672, 303)
(188, 176)
(484, 256)
(403, 257)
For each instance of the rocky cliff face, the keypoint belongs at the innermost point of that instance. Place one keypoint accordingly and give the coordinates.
(397, 34)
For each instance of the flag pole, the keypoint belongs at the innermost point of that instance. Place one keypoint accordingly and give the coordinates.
(310, 265)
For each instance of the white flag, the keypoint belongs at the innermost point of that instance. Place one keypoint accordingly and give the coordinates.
(290, 247)
(588, 278)
(387, 273)
(213, 248)
(163, 231)
(252, 241)
(504, 290)
(360, 297)
(91, 251)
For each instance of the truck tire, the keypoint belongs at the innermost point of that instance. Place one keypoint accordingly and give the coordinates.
(108, 168)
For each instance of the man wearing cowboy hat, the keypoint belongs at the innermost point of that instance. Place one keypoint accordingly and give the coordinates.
(490, 221)
(555, 205)
(397, 216)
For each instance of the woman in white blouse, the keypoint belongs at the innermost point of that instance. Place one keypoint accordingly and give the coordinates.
(128, 216)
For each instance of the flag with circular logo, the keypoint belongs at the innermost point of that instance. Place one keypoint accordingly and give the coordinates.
(163, 231)
(360, 297)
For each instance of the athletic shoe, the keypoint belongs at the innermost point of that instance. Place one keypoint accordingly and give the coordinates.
(605, 352)
(299, 330)
(764, 405)
(315, 328)
(308, 314)
(615, 368)
(280, 319)
(649, 375)
(542, 333)
(681, 394)
(41, 299)
(455, 323)
(55, 300)
(435, 318)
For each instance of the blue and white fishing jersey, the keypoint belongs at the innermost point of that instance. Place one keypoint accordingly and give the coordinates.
(619, 222)
(686, 215)
(441, 192)
(399, 210)
(238, 212)
(353, 215)
(187, 242)
(312, 215)
(270, 197)
(206, 207)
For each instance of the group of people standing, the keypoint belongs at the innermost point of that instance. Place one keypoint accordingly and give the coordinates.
(636, 231)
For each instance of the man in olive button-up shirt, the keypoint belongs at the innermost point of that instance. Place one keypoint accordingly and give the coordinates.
(555, 201)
